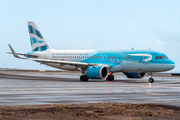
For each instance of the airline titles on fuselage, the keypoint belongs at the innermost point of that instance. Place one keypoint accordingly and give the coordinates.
(101, 58)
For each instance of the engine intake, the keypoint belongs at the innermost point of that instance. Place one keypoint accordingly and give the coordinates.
(97, 72)
(134, 74)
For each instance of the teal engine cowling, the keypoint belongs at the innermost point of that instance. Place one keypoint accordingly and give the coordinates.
(97, 72)
(134, 74)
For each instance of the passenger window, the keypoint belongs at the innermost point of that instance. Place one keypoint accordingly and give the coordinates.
(160, 57)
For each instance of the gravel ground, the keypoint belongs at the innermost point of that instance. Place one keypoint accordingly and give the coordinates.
(91, 111)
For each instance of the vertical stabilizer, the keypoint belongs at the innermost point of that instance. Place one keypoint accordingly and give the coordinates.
(38, 43)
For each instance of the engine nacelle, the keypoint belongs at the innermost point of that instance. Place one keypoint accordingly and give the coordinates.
(134, 74)
(97, 72)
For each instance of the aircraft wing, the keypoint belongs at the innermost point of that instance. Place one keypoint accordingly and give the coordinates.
(43, 61)
(62, 62)
(35, 56)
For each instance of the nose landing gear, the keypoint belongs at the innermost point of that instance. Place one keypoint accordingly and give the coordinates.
(151, 80)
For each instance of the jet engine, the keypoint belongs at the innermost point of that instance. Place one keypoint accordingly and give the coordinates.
(134, 74)
(97, 72)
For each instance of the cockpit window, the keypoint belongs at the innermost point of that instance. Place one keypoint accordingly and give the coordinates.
(165, 57)
(161, 57)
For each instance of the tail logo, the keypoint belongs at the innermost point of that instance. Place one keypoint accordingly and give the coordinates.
(38, 43)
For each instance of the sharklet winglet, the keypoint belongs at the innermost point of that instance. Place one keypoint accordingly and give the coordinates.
(14, 53)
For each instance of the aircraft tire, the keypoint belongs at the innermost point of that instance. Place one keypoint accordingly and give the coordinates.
(84, 78)
(151, 80)
(110, 78)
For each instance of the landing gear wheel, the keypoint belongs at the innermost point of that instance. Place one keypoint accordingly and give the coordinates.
(110, 78)
(84, 78)
(151, 80)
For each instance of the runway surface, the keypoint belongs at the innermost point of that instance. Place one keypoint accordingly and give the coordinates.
(24, 88)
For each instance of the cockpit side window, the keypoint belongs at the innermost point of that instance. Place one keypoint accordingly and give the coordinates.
(161, 57)
(165, 57)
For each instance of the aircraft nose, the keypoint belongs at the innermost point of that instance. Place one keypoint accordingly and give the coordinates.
(171, 66)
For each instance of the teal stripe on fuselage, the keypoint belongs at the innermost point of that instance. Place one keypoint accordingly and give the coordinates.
(124, 57)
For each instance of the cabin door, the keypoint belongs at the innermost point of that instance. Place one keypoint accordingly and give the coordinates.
(47, 55)
(145, 57)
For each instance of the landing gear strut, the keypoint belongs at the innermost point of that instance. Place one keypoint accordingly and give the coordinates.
(110, 77)
(84, 78)
(151, 80)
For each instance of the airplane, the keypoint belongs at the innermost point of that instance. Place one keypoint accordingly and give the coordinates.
(100, 64)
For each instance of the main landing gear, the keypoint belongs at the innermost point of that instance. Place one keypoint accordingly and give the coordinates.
(151, 80)
(110, 77)
(84, 78)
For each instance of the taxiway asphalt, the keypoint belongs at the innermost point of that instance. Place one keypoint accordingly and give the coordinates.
(27, 88)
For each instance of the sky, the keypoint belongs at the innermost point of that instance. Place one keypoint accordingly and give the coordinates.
(90, 24)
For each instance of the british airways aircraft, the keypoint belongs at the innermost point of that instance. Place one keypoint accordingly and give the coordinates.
(96, 64)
